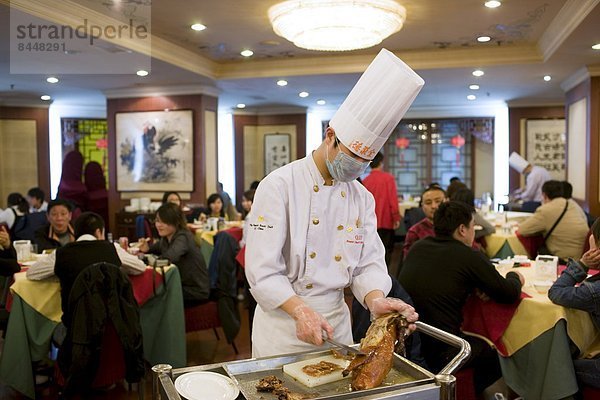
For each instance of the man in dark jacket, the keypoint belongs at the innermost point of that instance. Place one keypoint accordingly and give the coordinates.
(87, 305)
(59, 231)
(440, 272)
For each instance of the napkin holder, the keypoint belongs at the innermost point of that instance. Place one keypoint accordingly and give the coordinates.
(23, 250)
(546, 267)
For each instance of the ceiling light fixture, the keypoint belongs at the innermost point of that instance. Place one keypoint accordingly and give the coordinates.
(321, 102)
(241, 105)
(303, 94)
(198, 27)
(282, 82)
(336, 25)
(52, 79)
(478, 72)
(247, 53)
(483, 39)
(596, 46)
(471, 97)
(492, 4)
(474, 87)
(45, 97)
(142, 72)
(547, 78)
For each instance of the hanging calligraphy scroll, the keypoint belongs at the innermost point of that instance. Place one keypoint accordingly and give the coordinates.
(546, 141)
(277, 151)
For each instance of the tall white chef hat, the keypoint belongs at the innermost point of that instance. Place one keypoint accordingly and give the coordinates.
(376, 104)
(517, 162)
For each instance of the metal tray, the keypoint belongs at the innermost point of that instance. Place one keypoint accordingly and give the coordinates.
(247, 373)
(422, 384)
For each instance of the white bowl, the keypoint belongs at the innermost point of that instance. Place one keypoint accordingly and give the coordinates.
(542, 286)
(520, 258)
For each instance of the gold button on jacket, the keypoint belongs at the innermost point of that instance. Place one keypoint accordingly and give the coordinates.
(340, 227)
(338, 258)
(316, 221)
(309, 286)
(316, 188)
(312, 254)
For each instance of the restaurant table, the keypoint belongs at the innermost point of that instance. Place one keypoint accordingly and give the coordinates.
(36, 310)
(206, 239)
(504, 242)
(535, 340)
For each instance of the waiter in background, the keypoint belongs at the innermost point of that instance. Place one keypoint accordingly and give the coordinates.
(382, 186)
(535, 177)
(313, 231)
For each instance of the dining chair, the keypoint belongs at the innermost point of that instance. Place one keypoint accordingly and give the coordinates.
(205, 316)
(103, 343)
(4, 314)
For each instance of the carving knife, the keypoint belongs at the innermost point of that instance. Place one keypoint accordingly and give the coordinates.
(343, 346)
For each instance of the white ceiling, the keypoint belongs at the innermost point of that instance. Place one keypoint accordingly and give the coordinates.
(531, 38)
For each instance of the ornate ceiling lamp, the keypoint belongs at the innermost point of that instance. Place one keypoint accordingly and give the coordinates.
(336, 25)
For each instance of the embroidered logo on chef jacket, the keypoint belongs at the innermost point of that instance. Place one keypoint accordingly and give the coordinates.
(260, 224)
(357, 238)
(354, 240)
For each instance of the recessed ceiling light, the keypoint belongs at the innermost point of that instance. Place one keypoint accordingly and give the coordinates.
(471, 97)
(478, 72)
(596, 46)
(142, 72)
(547, 78)
(303, 94)
(52, 79)
(198, 27)
(282, 82)
(483, 39)
(321, 102)
(45, 97)
(492, 4)
(474, 87)
(241, 105)
(247, 53)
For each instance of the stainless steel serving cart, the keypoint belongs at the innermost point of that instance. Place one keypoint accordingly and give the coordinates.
(405, 381)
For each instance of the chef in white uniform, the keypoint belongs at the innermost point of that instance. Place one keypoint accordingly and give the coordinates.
(535, 177)
(313, 231)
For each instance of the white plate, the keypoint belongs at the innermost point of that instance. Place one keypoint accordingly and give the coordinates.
(205, 385)
(28, 263)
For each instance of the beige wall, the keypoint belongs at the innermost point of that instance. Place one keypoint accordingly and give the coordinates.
(254, 145)
(211, 161)
(576, 145)
(18, 157)
(484, 168)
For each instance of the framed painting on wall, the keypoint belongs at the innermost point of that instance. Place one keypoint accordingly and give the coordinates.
(155, 151)
(277, 151)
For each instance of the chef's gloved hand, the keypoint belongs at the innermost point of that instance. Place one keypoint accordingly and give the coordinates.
(384, 305)
(310, 325)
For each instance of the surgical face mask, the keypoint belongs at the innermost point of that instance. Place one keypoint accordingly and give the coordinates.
(344, 168)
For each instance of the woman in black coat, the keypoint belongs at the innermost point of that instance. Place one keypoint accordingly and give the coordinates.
(177, 244)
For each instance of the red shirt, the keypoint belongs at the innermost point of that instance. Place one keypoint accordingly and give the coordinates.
(383, 187)
(420, 230)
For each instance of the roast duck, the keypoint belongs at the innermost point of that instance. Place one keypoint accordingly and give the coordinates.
(384, 337)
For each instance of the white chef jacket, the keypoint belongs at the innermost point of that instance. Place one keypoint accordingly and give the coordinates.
(309, 240)
(533, 184)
